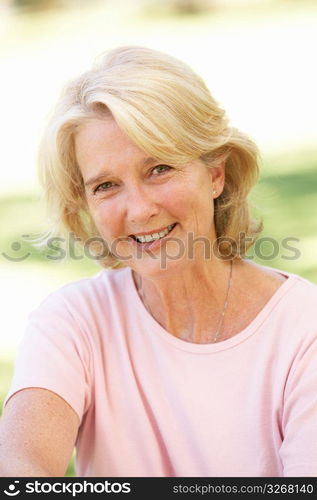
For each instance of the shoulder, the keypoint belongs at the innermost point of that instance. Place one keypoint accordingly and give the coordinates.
(84, 309)
(302, 291)
(87, 292)
(291, 299)
(296, 308)
(78, 313)
(262, 276)
(269, 280)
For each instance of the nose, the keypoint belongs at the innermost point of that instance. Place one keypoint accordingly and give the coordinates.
(140, 206)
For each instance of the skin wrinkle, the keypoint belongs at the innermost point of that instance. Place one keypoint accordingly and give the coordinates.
(197, 296)
(186, 307)
(188, 296)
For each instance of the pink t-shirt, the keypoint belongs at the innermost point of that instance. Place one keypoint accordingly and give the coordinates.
(151, 404)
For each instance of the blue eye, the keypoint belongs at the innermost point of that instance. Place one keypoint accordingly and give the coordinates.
(103, 187)
(165, 167)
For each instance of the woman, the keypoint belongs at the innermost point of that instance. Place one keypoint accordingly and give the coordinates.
(182, 358)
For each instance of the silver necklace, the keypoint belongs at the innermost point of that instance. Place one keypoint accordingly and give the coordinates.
(221, 319)
(225, 306)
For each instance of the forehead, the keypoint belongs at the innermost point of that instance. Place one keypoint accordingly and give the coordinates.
(101, 141)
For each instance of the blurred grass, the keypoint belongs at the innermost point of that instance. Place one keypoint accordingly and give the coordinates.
(285, 198)
(6, 372)
(22, 221)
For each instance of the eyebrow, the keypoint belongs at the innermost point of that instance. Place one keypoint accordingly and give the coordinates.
(145, 163)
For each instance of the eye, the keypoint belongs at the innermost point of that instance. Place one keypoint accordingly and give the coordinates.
(105, 186)
(162, 169)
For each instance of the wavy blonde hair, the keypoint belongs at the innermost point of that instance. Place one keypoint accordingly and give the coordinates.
(165, 109)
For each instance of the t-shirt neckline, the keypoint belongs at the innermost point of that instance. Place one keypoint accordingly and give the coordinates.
(156, 328)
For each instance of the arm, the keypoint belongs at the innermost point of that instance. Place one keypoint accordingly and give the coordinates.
(38, 432)
(298, 451)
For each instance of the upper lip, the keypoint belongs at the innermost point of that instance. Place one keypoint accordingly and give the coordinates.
(151, 232)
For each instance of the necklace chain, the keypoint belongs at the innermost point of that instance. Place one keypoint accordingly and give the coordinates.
(224, 307)
(221, 319)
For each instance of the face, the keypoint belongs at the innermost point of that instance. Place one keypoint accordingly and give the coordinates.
(129, 194)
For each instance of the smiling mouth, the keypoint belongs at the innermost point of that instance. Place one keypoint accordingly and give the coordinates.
(148, 238)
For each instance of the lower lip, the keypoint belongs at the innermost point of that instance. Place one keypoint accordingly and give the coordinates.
(153, 245)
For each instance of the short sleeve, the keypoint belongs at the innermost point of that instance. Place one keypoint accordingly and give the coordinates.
(299, 448)
(54, 354)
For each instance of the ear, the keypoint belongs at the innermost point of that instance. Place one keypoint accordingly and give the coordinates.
(217, 177)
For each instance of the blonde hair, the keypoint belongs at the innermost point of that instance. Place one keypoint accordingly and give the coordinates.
(165, 109)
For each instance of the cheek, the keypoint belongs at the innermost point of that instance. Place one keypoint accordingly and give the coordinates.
(200, 209)
(106, 218)
(172, 202)
(176, 198)
(194, 198)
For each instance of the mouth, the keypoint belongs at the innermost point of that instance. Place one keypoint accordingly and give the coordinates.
(150, 240)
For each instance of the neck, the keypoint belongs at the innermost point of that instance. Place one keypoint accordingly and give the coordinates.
(189, 304)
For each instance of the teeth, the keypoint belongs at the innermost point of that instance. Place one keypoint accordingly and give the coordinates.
(154, 236)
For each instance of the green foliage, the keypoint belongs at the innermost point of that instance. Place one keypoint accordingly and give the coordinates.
(71, 467)
(37, 4)
(22, 238)
(182, 7)
(285, 198)
(6, 372)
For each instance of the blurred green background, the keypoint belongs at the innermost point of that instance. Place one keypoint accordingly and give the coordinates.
(257, 58)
